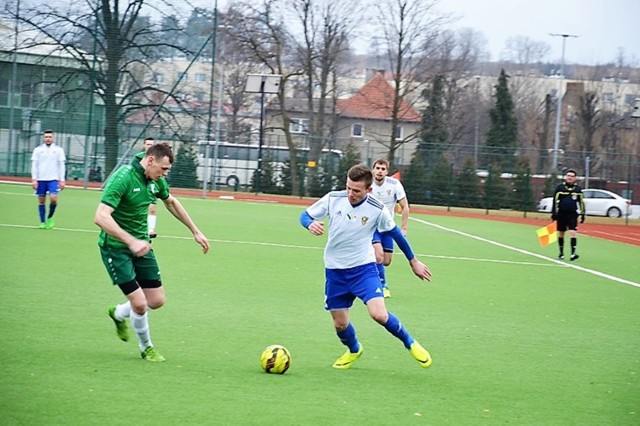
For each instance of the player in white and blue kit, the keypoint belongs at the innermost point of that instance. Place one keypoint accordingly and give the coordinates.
(350, 267)
(391, 192)
(47, 176)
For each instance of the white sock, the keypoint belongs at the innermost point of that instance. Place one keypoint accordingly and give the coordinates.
(123, 310)
(140, 325)
(151, 222)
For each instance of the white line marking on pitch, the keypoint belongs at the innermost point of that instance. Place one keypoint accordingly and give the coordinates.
(529, 253)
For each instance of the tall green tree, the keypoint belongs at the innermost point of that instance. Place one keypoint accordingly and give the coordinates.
(467, 186)
(434, 134)
(351, 157)
(183, 173)
(415, 180)
(522, 194)
(502, 137)
(440, 182)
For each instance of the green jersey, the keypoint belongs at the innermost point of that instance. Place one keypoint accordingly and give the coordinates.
(129, 193)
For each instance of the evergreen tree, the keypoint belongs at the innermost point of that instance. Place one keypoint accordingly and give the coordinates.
(502, 137)
(467, 186)
(439, 182)
(550, 184)
(351, 157)
(415, 180)
(434, 134)
(268, 177)
(495, 192)
(183, 171)
(522, 193)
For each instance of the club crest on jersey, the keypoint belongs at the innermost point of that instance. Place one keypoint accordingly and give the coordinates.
(152, 187)
(364, 220)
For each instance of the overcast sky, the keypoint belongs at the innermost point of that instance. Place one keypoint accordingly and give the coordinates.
(603, 26)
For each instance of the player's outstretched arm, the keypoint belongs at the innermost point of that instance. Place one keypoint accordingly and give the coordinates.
(419, 269)
(314, 226)
(179, 212)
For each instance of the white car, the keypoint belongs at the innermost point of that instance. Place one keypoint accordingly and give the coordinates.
(597, 202)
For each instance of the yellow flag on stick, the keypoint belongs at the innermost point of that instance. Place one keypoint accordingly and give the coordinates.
(547, 234)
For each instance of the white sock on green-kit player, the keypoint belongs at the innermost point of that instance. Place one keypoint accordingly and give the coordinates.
(123, 310)
(151, 222)
(140, 325)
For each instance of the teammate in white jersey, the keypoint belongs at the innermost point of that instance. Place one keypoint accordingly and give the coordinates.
(349, 259)
(47, 176)
(391, 192)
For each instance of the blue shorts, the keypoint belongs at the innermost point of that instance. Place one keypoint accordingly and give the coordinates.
(44, 186)
(385, 239)
(344, 285)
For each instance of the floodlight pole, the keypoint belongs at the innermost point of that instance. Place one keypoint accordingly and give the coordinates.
(556, 141)
(266, 83)
(206, 173)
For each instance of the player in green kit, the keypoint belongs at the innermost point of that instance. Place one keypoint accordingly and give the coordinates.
(152, 219)
(125, 246)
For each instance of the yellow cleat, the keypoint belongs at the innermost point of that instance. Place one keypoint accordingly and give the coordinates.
(420, 354)
(347, 359)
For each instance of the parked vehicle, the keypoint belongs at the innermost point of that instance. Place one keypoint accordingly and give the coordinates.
(597, 202)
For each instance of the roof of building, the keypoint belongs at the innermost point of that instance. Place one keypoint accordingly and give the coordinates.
(374, 101)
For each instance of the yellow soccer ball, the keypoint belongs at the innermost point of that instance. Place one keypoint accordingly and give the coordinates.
(275, 359)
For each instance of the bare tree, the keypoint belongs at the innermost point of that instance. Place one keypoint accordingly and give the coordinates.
(410, 32)
(260, 31)
(524, 51)
(326, 27)
(123, 45)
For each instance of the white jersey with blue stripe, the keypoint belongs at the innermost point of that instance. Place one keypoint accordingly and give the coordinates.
(350, 228)
(389, 192)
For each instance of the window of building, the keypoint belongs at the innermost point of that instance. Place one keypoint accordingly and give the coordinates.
(399, 133)
(182, 75)
(201, 77)
(607, 97)
(357, 130)
(158, 78)
(629, 99)
(299, 125)
(51, 94)
(4, 91)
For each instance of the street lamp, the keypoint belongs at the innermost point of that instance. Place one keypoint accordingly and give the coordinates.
(556, 141)
(262, 83)
(211, 88)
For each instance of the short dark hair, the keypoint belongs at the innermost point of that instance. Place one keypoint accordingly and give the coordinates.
(47, 131)
(359, 173)
(571, 171)
(381, 161)
(149, 139)
(159, 151)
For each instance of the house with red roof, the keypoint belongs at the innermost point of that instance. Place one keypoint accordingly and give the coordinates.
(363, 119)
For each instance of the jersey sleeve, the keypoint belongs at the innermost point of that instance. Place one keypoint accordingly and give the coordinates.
(320, 208)
(400, 192)
(385, 221)
(114, 190)
(162, 188)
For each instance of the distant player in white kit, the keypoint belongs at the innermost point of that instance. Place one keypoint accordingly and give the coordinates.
(350, 267)
(47, 176)
(391, 192)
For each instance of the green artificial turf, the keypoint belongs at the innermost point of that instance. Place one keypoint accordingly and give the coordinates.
(516, 337)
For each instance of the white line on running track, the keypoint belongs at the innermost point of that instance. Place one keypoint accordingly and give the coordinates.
(508, 247)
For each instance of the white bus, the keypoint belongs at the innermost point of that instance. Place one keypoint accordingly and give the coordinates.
(236, 163)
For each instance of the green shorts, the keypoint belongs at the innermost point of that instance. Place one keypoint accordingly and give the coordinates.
(123, 267)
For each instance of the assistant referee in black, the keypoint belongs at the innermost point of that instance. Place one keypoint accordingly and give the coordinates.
(568, 200)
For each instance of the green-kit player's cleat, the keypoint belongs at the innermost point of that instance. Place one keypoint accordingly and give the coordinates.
(150, 354)
(50, 223)
(347, 359)
(122, 330)
(420, 354)
(42, 225)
